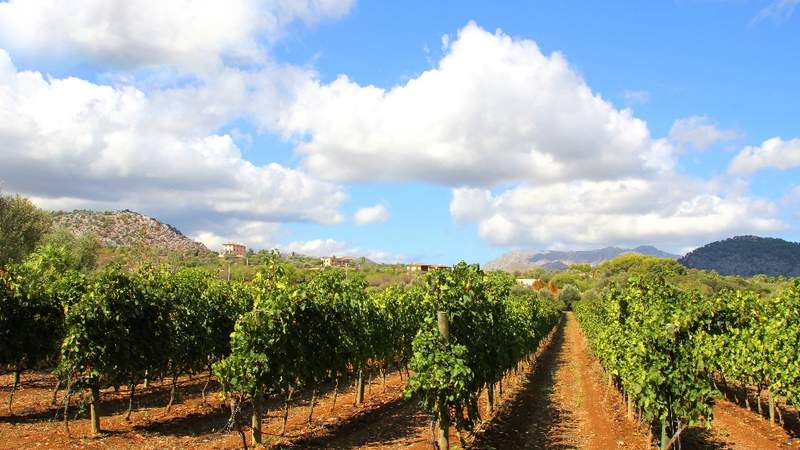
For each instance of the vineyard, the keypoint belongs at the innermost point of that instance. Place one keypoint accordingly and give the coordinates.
(291, 357)
(456, 333)
(672, 352)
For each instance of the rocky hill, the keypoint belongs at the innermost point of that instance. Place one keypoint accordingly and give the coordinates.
(126, 228)
(747, 256)
(559, 260)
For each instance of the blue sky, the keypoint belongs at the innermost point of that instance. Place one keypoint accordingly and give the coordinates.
(432, 131)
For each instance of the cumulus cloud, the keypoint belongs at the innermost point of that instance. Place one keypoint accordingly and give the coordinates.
(773, 153)
(670, 211)
(254, 234)
(329, 247)
(699, 132)
(71, 143)
(372, 214)
(534, 156)
(494, 110)
(193, 34)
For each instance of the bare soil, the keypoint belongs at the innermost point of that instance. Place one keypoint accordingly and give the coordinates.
(189, 424)
(559, 401)
(564, 404)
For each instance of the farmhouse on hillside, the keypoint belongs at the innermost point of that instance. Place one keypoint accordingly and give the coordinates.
(233, 249)
(333, 261)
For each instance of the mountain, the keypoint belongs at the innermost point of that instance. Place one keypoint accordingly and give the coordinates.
(559, 260)
(126, 228)
(747, 256)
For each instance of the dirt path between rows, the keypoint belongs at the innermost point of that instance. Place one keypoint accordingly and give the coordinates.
(564, 404)
(737, 428)
(402, 425)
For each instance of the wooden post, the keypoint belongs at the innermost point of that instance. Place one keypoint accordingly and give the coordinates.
(444, 427)
(360, 387)
(771, 407)
(444, 325)
(255, 419)
(630, 407)
(444, 413)
(93, 413)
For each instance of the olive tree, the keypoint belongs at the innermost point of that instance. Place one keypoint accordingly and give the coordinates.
(22, 226)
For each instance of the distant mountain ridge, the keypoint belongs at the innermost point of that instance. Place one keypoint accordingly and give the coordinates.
(126, 228)
(747, 256)
(559, 260)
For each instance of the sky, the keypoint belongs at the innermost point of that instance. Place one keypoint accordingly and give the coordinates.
(410, 131)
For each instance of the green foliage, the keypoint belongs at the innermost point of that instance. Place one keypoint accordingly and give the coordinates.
(645, 335)
(301, 331)
(114, 332)
(22, 226)
(569, 294)
(397, 319)
(747, 256)
(30, 318)
(489, 332)
(81, 250)
(753, 340)
(622, 267)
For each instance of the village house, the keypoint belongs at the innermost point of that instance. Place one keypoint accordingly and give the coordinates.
(527, 281)
(233, 249)
(422, 267)
(333, 261)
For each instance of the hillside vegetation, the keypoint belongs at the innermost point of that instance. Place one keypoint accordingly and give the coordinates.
(747, 256)
(127, 229)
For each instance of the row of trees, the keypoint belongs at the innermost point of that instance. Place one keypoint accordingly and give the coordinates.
(127, 328)
(286, 330)
(473, 331)
(114, 328)
(644, 335)
(753, 341)
(303, 332)
(665, 347)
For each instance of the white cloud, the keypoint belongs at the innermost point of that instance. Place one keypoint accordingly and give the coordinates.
(372, 214)
(71, 143)
(699, 132)
(640, 97)
(254, 234)
(194, 34)
(494, 110)
(779, 10)
(672, 211)
(265, 235)
(772, 153)
(316, 247)
(329, 247)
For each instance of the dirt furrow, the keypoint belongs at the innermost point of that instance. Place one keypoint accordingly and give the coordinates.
(565, 405)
